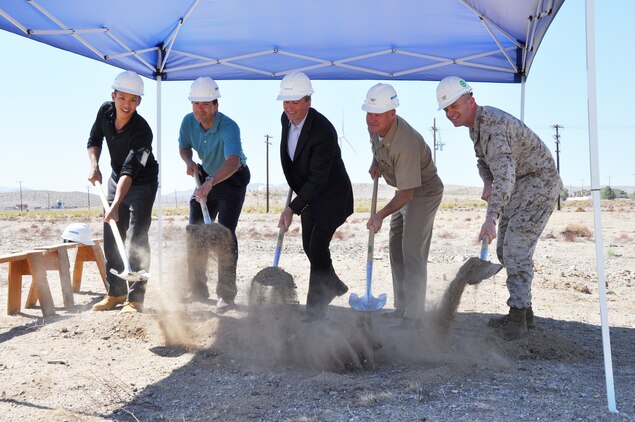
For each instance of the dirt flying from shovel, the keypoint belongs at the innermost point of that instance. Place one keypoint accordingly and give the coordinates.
(273, 285)
(444, 314)
(209, 236)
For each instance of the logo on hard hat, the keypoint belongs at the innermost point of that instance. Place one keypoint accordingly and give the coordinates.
(372, 100)
(463, 84)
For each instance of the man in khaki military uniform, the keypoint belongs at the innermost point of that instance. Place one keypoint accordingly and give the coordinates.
(521, 185)
(403, 158)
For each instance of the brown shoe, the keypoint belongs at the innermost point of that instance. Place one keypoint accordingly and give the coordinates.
(131, 307)
(108, 303)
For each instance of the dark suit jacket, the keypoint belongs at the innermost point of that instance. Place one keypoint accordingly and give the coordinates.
(317, 173)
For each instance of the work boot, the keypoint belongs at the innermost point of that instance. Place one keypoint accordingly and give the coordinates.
(131, 308)
(499, 321)
(396, 314)
(109, 302)
(516, 324)
(408, 324)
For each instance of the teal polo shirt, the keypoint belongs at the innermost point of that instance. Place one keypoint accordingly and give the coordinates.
(213, 145)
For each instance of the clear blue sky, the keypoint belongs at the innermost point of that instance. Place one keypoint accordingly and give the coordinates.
(50, 98)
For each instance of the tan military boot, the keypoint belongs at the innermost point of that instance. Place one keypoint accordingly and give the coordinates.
(516, 324)
(131, 307)
(499, 321)
(109, 302)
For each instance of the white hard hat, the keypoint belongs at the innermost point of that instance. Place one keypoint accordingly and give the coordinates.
(129, 82)
(450, 89)
(380, 99)
(78, 232)
(204, 89)
(294, 86)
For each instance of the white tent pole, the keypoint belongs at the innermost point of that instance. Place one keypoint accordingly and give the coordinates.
(159, 204)
(595, 192)
(522, 98)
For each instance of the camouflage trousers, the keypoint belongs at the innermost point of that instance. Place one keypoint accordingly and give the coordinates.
(520, 226)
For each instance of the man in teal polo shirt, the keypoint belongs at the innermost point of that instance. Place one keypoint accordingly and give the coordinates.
(224, 177)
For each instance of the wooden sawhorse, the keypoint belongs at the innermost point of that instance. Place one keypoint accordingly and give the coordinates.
(55, 258)
(88, 253)
(28, 263)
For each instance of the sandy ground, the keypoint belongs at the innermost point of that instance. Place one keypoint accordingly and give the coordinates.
(183, 362)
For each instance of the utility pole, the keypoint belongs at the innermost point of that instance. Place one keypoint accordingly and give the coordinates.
(88, 196)
(20, 182)
(557, 138)
(581, 187)
(267, 143)
(437, 145)
(176, 201)
(434, 136)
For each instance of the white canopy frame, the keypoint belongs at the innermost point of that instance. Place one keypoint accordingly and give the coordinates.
(534, 34)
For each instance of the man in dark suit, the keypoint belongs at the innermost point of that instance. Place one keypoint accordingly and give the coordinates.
(312, 164)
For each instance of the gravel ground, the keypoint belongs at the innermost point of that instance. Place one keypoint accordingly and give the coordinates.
(183, 362)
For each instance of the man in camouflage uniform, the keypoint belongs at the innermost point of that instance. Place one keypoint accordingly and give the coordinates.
(521, 185)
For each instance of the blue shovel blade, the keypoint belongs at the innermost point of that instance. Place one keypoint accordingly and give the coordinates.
(367, 303)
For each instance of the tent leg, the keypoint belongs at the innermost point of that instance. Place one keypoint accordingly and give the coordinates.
(595, 192)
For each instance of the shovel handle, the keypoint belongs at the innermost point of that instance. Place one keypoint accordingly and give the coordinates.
(371, 240)
(276, 255)
(484, 246)
(115, 229)
(206, 218)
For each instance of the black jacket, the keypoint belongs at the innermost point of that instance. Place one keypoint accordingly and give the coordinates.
(130, 150)
(317, 174)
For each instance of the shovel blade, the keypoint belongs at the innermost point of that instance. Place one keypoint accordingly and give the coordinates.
(132, 276)
(367, 303)
(476, 270)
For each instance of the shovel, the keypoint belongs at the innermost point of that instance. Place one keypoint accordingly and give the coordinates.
(276, 255)
(127, 273)
(281, 282)
(475, 269)
(368, 303)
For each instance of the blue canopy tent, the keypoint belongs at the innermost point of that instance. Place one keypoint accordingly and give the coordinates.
(419, 40)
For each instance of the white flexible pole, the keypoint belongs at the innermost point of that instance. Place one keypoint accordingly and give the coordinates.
(159, 202)
(522, 98)
(595, 192)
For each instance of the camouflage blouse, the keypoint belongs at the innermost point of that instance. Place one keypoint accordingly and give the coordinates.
(507, 151)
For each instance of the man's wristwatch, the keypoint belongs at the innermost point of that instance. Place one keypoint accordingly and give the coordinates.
(493, 216)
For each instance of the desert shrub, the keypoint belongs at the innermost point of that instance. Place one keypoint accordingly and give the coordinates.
(607, 193)
(572, 231)
(564, 194)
